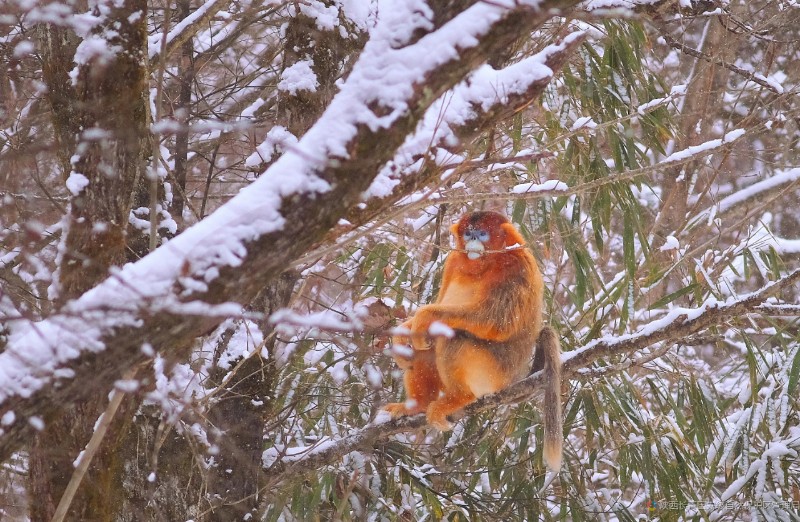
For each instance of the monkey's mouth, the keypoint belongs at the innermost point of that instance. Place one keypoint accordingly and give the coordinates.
(474, 249)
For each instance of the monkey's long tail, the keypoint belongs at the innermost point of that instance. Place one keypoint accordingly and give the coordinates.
(549, 349)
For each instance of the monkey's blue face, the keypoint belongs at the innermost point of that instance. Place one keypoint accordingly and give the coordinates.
(475, 240)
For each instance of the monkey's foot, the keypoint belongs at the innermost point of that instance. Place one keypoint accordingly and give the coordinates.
(438, 418)
(400, 409)
(441, 424)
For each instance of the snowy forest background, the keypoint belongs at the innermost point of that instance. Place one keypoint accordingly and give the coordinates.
(213, 213)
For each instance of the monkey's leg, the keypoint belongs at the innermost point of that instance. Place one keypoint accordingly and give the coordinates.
(453, 400)
(468, 371)
(422, 385)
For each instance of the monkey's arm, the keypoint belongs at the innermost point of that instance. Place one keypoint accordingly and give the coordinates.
(467, 319)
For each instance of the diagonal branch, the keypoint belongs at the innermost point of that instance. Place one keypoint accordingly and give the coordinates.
(751, 76)
(553, 59)
(227, 258)
(165, 45)
(680, 323)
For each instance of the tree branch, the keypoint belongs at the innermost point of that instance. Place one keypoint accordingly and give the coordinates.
(252, 239)
(680, 323)
(753, 77)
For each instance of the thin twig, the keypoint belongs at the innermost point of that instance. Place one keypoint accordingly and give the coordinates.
(157, 139)
(85, 459)
(753, 77)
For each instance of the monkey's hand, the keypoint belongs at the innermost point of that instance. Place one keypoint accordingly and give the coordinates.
(420, 324)
(402, 352)
(426, 324)
(438, 320)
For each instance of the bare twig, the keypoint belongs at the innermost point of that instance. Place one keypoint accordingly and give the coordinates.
(753, 77)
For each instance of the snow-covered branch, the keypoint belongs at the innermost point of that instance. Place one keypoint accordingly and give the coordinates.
(457, 118)
(554, 188)
(679, 323)
(248, 242)
(183, 30)
(782, 180)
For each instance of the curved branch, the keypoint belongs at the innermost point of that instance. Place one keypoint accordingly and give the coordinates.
(678, 324)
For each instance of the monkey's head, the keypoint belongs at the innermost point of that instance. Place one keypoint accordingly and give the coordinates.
(478, 232)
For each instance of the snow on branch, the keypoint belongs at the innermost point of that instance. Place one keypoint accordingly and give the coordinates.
(468, 106)
(780, 181)
(764, 81)
(456, 119)
(183, 30)
(695, 150)
(228, 257)
(555, 188)
(679, 323)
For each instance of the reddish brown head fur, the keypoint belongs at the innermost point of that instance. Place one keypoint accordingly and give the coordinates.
(502, 233)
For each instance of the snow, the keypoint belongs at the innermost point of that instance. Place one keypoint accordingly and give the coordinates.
(676, 92)
(174, 389)
(359, 12)
(374, 377)
(243, 343)
(552, 185)
(76, 182)
(278, 139)
(778, 450)
(298, 77)
(781, 177)
(155, 41)
(95, 50)
(37, 422)
(127, 385)
(271, 455)
(325, 17)
(8, 418)
(593, 5)
(707, 146)
(482, 89)
(438, 328)
(670, 243)
(774, 80)
(23, 49)
(584, 122)
(675, 315)
(401, 350)
(326, 319)
(758, 465)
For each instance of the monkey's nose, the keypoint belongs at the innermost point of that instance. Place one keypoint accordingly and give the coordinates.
(474, 249)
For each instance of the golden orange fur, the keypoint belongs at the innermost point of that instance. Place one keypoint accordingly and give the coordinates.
(491, 298)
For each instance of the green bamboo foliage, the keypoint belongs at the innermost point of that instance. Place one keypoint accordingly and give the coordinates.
(656, 435)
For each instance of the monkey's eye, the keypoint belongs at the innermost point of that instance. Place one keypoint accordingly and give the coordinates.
(479, 235)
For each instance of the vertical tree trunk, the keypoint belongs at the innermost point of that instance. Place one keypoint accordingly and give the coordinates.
(240, 412)
(701, 102)
(101, 121)
(182, 114)
(244, 404)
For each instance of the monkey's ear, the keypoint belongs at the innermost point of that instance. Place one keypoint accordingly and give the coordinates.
(454, 230)
(513, 237)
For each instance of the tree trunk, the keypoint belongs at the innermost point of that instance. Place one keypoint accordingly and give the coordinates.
(105, 167)
(245, 403)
